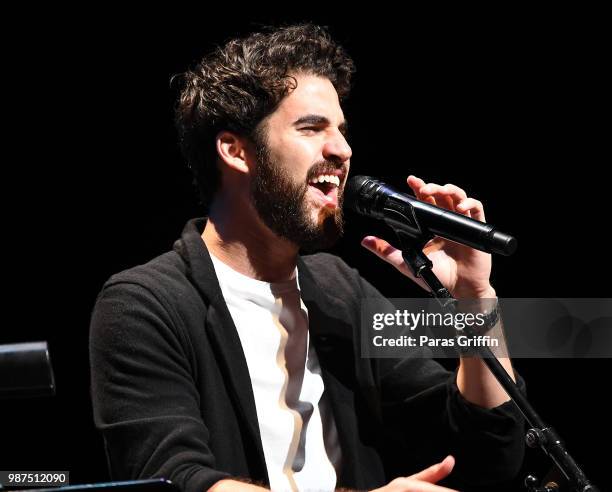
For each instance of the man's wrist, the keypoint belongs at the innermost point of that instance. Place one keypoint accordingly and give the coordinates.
(476, 293)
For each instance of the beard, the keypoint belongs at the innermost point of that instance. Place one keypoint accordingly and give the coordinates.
(283, 207)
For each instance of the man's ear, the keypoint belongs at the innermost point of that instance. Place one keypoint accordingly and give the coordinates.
(232, 150)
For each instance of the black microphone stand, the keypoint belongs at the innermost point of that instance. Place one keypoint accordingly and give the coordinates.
(539, 434)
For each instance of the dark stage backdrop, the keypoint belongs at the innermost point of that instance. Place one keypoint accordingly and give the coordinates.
(510, 107)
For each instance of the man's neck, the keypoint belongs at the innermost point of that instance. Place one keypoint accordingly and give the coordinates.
(244, 243)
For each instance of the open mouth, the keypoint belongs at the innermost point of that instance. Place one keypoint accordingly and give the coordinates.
(326, 187)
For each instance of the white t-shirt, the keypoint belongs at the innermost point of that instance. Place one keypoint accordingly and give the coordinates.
(300, 446)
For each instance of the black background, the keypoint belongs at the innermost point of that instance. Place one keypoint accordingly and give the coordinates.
(511, 106)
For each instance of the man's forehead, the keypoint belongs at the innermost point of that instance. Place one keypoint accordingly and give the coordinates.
(312, 96)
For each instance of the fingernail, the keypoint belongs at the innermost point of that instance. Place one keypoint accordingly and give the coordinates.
(368, 241)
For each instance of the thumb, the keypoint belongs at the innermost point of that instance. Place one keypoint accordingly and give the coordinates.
(387, 252)
(436, 472)
(391, 255)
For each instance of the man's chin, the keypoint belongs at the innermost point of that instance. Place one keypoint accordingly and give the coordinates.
(325, 231)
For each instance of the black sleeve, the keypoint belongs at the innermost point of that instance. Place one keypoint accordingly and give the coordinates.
(145, 401)
(427, 418)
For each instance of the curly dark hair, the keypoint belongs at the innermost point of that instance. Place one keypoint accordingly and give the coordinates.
(236, 86)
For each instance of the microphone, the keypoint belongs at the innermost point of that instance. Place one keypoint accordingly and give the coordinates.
(403, 212)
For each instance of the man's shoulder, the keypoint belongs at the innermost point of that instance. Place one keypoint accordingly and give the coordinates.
(165, 277)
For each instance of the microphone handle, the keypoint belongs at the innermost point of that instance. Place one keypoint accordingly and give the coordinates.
(397, 210)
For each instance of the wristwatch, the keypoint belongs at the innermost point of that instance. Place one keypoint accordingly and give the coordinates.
(491, 318)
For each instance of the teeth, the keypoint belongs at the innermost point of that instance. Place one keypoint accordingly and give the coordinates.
(326, 178)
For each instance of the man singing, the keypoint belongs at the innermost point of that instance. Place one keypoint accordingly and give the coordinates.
(232, 362)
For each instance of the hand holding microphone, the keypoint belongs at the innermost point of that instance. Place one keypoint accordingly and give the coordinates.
(446, 212)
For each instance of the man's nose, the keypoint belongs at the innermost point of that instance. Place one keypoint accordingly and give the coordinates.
(337, 149)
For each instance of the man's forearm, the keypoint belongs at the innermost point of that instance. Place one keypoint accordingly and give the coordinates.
(474, 379)
(477, 384)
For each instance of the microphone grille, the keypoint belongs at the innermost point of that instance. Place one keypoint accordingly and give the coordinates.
(351, 193)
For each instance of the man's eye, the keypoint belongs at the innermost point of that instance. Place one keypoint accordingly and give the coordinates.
(310, 128)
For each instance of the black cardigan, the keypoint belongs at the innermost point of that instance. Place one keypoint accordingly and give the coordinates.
(172, 395)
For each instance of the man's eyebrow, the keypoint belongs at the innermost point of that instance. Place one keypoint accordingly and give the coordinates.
(315, 119)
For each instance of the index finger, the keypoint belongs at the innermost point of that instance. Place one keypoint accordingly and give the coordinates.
(415, 184)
